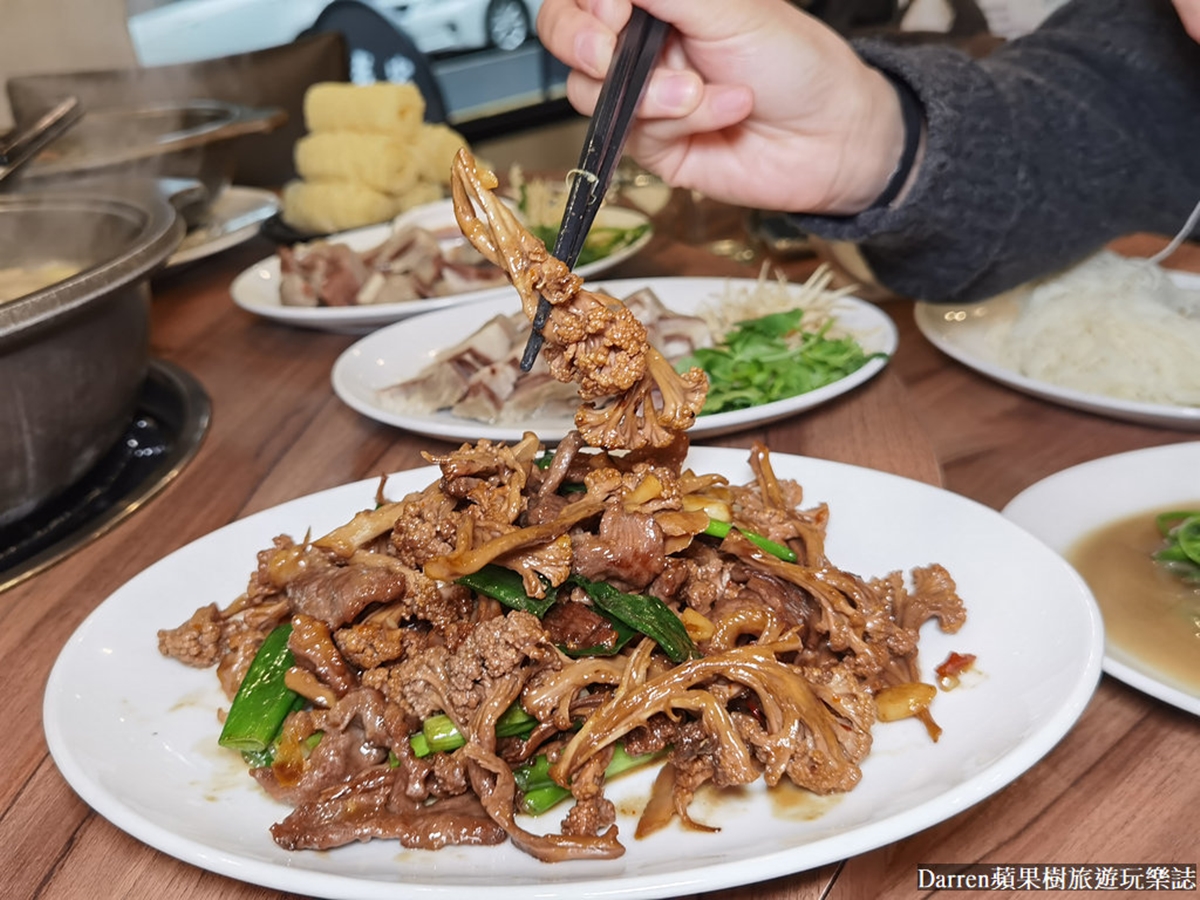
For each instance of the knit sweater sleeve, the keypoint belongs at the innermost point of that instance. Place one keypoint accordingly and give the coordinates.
(1038, 154)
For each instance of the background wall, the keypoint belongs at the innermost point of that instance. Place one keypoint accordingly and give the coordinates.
(60, 36)
(555, 146)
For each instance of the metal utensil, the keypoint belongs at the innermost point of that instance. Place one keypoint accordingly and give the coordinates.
(18, 149)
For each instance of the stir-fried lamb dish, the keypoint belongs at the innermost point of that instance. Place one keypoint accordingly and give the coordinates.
(533, 621)
(760, 665)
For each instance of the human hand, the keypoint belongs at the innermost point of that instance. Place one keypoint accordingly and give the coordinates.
(753, 102)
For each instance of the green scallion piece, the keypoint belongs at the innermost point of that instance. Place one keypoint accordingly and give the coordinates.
(718, 529)
(439, 734)
(506, 586)
(262, 701)
(649, 615)
(539, 792)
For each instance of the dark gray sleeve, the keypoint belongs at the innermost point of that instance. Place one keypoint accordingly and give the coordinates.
(1038, 154)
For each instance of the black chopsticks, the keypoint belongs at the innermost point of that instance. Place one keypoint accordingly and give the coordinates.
(637, 49)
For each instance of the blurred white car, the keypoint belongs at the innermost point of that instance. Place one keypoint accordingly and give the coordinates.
(175, 31)
(442, 25)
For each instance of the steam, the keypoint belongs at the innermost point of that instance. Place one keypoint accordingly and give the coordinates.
(274, 78)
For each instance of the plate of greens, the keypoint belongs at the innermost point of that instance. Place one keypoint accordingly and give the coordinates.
(773, 363)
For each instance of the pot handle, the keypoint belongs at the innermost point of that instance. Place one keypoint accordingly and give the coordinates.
(255, 120)
(183, 193)
(16, 150)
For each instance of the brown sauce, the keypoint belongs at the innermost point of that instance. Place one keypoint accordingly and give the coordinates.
(1151, 615)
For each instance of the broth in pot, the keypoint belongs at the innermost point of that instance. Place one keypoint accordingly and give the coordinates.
(17, 281)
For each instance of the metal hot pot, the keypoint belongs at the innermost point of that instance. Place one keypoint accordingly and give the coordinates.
(73, 355)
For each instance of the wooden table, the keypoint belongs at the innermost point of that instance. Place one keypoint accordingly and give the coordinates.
(1120, 788)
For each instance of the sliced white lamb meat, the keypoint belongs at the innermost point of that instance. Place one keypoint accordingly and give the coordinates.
(445, 380)
(487, 391)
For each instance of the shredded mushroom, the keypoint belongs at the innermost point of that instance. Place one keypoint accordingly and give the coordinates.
(591, 338)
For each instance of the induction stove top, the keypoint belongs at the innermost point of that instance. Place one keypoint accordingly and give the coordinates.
(167, 428)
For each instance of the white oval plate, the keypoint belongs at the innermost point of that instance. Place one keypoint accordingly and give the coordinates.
(257, 288)
(1068, 505)
(234, 218)
(400, 351)
(963, 332)
(135, 733)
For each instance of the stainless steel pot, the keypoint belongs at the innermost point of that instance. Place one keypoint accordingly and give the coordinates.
(73, 355)
(176, 139)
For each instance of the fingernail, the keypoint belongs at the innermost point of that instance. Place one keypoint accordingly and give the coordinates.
(594, 49)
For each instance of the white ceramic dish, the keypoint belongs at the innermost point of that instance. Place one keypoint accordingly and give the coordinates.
(400, 351)
(1066, 506)
(257, 288)
(234, 218)
(963, 332)
(134, 733)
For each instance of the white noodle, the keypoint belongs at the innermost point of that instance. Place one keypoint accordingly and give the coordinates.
(1113, 326)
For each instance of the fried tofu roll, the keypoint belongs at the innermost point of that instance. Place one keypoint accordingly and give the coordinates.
(436, 146)
(321, 207)
(386, 163)
(382, 107)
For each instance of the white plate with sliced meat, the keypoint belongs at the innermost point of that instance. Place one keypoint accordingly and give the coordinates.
(134, 733)
(460, 275)
(368, 375)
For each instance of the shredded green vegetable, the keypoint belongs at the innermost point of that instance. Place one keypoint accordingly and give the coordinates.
(772, 358)
(600, 243)
(506, 586)
(1182, 552)
(647, 614)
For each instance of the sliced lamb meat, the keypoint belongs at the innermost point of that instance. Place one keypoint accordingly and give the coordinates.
(628, 551)
(397, 287)
(538, 394)
(313, 648)
(576, 626)
(339, 755)
(336, 595)
(487, 391)
(333, 273)
(675, 334)
(373, 805)
(407, 249)
(444, 381)
(480, 378)
(294, 287)
(408, 265)
(436, 387)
